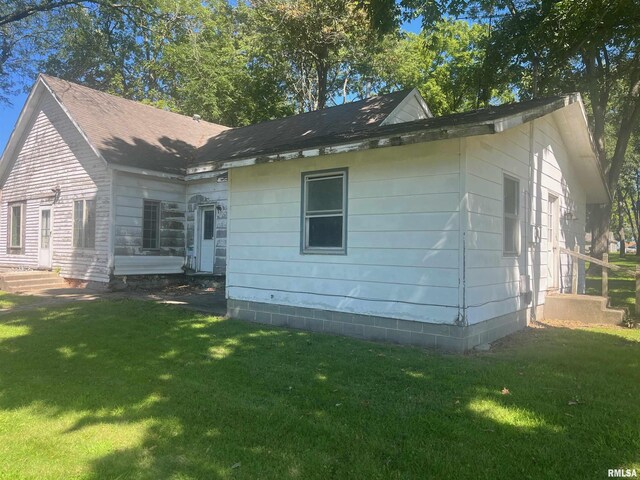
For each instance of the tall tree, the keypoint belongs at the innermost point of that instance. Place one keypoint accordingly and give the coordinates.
(32, 29)
(319, 40)
(547, 46)
(445, 63)
(217, 68)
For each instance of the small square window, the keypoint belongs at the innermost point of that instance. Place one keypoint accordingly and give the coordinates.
(324, 198)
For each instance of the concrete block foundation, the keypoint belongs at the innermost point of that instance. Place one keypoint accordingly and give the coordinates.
(447, 337)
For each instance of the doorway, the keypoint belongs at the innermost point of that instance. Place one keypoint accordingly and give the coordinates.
(44, 239)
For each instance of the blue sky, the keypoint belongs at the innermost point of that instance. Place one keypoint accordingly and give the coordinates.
(9, 113)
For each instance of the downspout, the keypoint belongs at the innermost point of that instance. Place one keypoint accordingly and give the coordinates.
(462, 320)
(530, 244)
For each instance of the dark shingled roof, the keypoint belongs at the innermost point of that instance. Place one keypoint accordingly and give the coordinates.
(220, 148)
(132, 133)
(304, 129)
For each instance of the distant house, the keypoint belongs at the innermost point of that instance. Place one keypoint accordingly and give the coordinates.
(372, 219)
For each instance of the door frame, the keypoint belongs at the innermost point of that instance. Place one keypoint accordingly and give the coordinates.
(553, 249)
(198, 230)
(40, 210)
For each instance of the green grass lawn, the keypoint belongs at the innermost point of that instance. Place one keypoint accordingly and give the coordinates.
(11, 300)
(127, 389)
(622, 286)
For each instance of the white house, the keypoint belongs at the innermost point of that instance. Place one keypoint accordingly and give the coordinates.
(372, 219)
(95, 185)
(441, 232)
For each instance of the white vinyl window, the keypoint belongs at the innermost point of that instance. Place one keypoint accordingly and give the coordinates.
(324, 205)
(511, 228)
(84, 224)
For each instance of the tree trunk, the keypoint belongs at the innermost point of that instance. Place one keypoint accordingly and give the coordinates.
(623, 244)
(600, 215)
(322, 70)
(629, 117)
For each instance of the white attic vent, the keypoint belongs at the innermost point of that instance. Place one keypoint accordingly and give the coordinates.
(412, 107)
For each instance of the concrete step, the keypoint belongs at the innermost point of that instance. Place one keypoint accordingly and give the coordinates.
(30, 281)
(39, 288)
(17, 283)
(588, 309)
(27, 275)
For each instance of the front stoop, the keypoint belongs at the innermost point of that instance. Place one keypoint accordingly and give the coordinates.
(588, 309)
(30, 281)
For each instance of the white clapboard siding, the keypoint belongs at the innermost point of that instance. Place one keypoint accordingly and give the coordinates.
(53, 153)
(493, 279)
(133, 265)
(402, 236)
(130, 191)
(208, 193)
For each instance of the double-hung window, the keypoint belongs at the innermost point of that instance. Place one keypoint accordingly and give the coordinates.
(511, 222)
(16, 226)
(84, 224)
(324, 208)
(151, 225)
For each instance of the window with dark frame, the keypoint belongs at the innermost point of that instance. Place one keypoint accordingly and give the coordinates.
(84, 223)
(151, 225)
(511, 201)
(324, 212)
(16, 219)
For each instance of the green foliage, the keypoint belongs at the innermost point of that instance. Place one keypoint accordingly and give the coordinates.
(444, 63)
(317, 44)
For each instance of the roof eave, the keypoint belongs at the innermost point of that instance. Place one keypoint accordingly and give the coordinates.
(420, 135)
(574, 128)
(19, 128)
(373, 142)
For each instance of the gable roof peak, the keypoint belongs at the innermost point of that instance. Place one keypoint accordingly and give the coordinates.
(131, 133)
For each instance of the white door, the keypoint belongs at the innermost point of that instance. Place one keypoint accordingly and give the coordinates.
(207, 239)
(553, 256)
(44, 243)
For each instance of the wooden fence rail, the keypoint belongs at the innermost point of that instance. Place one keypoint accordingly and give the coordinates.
(606, 266)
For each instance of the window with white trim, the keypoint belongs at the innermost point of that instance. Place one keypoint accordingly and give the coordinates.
(84, 223)
(511, 223)
(16, 225)
(324, 198)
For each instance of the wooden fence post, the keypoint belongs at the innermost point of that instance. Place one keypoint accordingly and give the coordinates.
(638, 290)
(574, 271)
(605, 276)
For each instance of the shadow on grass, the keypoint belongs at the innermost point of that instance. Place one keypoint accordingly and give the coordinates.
(223, 399)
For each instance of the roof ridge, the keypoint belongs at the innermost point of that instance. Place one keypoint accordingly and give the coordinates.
(407, 91)
(44, 76)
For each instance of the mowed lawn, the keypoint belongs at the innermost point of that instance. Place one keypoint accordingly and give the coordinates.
(622, 285)
(128, 389)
